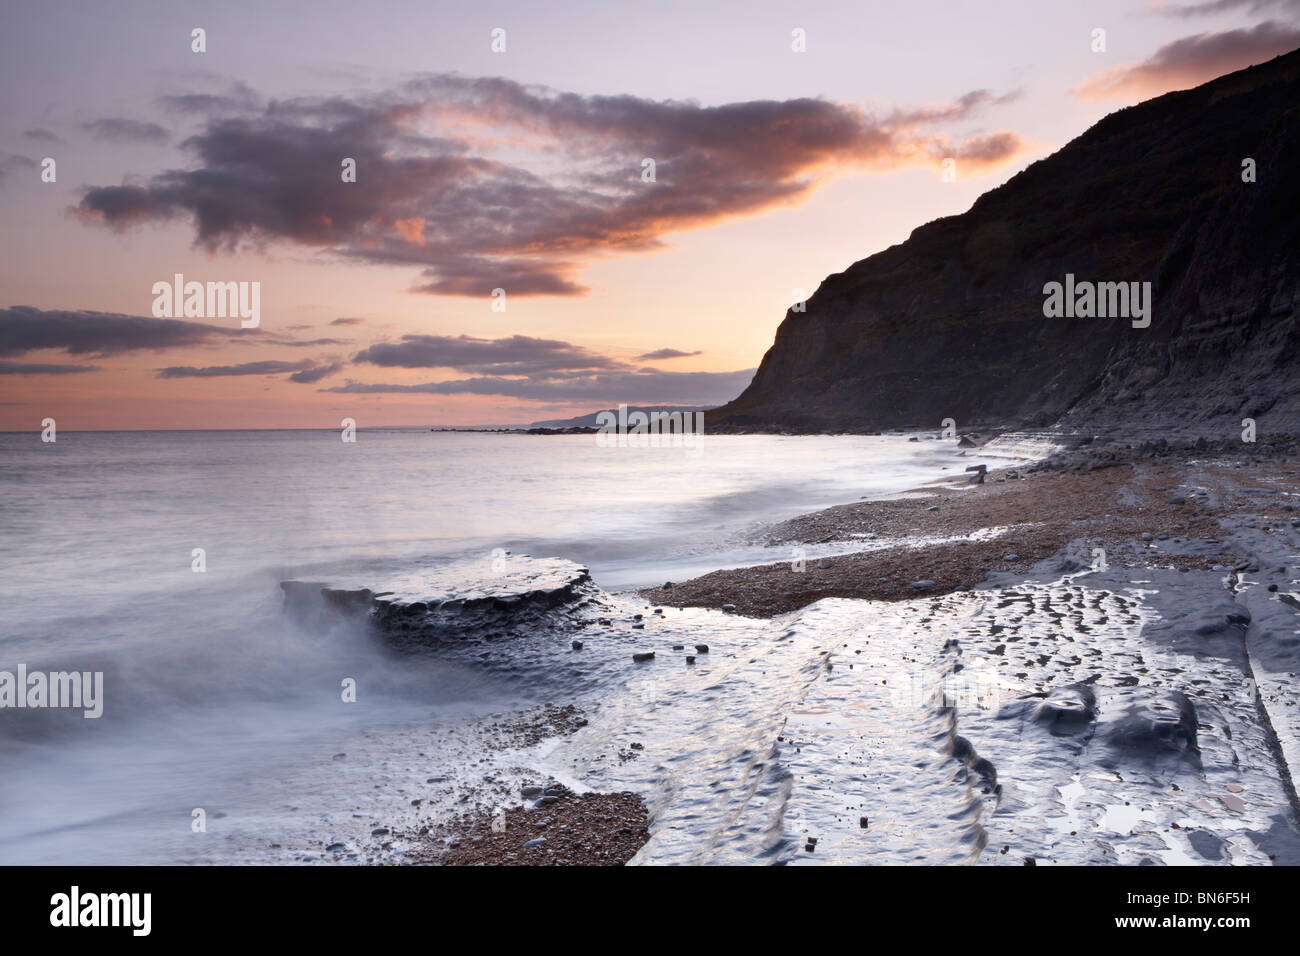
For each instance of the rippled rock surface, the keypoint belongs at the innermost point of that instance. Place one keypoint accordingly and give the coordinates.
(1074, 721)
(1072, 718)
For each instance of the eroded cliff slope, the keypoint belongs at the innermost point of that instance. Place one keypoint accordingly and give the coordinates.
(950, 323)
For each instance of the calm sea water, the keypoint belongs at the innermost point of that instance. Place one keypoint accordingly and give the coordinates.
(211, 694)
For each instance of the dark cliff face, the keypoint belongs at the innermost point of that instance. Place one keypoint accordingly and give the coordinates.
(950, 324)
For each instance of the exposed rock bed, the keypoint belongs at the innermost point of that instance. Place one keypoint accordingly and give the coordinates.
(449, 601)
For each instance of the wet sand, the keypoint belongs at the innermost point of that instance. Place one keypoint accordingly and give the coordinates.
(1024, 515)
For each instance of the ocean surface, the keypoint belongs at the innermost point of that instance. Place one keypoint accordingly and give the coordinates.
(223, 737)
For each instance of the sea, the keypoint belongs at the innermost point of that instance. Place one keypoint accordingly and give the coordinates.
(154, 558)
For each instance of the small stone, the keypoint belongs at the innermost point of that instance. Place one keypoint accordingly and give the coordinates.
(530, 793)
(823, 564)
(1011, 557)
(922, 585)
(702, 648)
(862, 822)
(1147, 536)
(643, 656)
(690, 658)
(533, 844)
(728, 609)
(576, 645)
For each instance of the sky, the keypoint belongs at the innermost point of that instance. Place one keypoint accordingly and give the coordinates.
(556, 207)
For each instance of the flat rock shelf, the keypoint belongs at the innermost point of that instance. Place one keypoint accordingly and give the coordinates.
(447, 600)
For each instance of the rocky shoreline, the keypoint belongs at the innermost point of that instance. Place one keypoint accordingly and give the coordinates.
(1125, 501)
(1207, 534)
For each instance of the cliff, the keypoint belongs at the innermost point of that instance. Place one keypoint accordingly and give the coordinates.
(950, 323)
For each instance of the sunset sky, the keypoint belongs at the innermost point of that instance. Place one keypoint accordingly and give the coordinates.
(519, 170)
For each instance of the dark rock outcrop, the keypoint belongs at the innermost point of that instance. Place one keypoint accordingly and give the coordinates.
(1153, 728)
(512, 592)
(950, 323)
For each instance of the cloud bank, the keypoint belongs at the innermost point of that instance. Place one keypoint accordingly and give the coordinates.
(1191, 61)
(488, 183)
(25, 329)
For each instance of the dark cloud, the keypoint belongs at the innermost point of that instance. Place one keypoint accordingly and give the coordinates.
(12, 163)
(299, 343)
(309, 375)
(268, 367)
(542, 370)
(347, 322)
(978, 150)
(35, 368)
(516, 355)
(665, 354)
(1191, 61)
(435, 192)
(25, 329)
(1210, 7)
(238, 98)
(641, 387)
(119, 130)
(41, 136)
(960, 108)
(123, 206)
